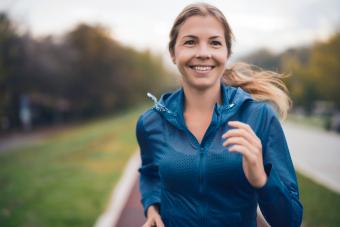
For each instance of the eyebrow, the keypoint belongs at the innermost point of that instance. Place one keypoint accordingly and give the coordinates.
(195, 37)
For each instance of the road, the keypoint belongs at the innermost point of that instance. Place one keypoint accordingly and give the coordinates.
(315, 153)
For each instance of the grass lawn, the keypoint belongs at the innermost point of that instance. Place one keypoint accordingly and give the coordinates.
(321, 206)
(67, 179)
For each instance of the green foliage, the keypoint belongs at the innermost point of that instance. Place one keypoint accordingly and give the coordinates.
(10, 56)
(301, 87)
(83, 74)
(314, 71)
(263, 58)
(325, 68)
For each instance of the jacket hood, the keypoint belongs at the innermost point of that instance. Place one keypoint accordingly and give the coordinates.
(171, 104)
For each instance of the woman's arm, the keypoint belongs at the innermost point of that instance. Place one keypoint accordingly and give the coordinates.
(279, 197)
(149, 176)
(268, 168)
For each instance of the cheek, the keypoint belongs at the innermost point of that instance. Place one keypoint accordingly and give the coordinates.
(183, 55)
(221, 57)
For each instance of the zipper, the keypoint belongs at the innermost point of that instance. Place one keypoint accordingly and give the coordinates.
(201, 152)
(201, 183)
(161, 108)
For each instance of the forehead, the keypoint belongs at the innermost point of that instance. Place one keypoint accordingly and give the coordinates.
(201, 26)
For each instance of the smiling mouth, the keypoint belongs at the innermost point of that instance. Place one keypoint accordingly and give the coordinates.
(201, 68)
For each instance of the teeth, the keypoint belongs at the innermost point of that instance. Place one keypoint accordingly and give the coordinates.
(202, 68)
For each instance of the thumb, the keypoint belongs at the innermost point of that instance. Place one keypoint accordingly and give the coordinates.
(149, 223)
(159, 222)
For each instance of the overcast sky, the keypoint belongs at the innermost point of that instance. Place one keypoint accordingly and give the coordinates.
(275, 24)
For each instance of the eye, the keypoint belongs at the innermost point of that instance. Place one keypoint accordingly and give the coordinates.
(189, 42)
(216, 43)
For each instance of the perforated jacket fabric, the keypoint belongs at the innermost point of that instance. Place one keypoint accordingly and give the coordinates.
(202, 185)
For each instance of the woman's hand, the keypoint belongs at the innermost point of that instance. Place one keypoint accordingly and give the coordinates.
(245, 141)
(153, 217)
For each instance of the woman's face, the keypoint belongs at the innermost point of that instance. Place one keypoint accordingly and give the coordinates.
(200, 52)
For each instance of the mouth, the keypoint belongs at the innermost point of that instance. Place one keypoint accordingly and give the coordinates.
(202, 68)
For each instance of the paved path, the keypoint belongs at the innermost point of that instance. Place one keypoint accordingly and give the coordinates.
(315, 153)
(14, 140)
(132, 215)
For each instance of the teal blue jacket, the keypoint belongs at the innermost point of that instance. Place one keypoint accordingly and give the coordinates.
(202, 184)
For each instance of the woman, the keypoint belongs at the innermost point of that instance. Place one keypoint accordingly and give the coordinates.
(214, 149)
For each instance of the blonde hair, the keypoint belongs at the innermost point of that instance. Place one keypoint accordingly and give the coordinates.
(261, 84)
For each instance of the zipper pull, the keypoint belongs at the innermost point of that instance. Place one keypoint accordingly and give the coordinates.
(151, 96)
(157, 106)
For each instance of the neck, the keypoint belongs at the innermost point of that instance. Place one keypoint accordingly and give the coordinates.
(202, 101)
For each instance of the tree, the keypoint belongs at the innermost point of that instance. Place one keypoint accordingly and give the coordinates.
(11, 56)
(325, 68)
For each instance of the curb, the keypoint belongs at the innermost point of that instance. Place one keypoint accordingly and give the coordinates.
(327, 182)
(120, 194)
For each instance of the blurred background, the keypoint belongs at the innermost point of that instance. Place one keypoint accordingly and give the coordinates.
(74, 77)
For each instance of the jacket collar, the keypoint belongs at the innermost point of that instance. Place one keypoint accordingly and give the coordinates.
(171, 104)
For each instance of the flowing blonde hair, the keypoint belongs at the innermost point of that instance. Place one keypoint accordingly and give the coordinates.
(263, 85)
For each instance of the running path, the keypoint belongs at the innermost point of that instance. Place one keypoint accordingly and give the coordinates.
(132, 215)
(10, 141)
(315, 153)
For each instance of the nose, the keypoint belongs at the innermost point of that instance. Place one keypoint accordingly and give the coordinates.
(203, 51)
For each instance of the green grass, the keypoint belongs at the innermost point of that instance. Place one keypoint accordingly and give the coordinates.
(321, 206)
(66, 180)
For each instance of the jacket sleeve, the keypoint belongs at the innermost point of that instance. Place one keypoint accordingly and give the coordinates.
(279, 197)
(149, 184)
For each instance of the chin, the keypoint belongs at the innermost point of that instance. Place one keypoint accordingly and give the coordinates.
(202, 84)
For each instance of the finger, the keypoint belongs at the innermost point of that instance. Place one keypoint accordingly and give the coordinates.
(149, 223)
(254, 149)
(244, 151)
(159, 222)
(238, 133)
(238, 124)
(238, 148)
(237, 141)
(253, 140)
(235, 132)
(249, 134)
